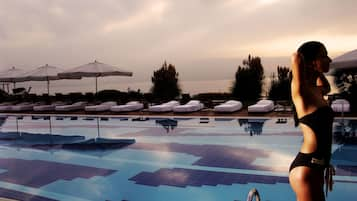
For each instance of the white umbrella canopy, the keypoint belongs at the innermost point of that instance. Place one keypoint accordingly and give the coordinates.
(345, 61)
(12, 75)
(95, 69)
(43, 73)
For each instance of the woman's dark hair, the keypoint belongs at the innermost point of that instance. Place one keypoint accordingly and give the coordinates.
(310, 50)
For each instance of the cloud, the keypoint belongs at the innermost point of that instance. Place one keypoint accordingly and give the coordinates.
(143, 33)
(147, 15)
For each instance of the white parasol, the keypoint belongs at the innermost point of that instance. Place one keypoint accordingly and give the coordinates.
(343, 62)
(12, 75)
(43, 73)
(95, 69)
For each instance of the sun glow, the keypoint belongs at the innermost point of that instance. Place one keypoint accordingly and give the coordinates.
(285, 46)
(267, 2)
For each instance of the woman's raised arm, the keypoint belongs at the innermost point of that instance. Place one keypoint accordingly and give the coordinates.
(297, 68)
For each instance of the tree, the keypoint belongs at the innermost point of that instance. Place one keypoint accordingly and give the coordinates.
(249, 79)
(165, 82)
(280, 88)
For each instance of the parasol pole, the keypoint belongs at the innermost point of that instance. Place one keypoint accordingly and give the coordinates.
(98, 129)
(48, 87)
(96, 84)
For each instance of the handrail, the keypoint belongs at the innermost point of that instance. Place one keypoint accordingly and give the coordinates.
(253, 193)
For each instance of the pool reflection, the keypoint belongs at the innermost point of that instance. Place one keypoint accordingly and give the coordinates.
(252, 126)
(344, 131)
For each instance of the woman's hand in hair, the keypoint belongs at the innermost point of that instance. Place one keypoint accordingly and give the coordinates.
(323, 84)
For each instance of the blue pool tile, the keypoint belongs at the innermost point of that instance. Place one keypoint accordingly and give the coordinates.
(12, 194)
(346, 170)
(213, 155)
(180, 177)
(37, 173)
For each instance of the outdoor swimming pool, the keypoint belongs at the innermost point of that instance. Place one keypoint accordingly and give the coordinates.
(172, 159)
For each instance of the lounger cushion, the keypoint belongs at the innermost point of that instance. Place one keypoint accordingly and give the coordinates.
(191, 106)
(5, 108)
(262, 106)
(165, 107)
(100, 107)
(229, 106)
(26, 106)
(75, 106)
(128, 107)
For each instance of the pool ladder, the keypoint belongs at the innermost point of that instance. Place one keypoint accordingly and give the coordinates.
(253, 193)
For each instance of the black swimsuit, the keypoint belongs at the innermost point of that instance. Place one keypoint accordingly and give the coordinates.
(320, 121)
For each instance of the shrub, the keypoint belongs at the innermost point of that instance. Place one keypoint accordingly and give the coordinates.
(165, 82)
(249, 79)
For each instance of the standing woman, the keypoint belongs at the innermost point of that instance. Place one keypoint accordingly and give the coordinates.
(315, 118)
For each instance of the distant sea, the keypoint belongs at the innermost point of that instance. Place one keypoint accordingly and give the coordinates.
(124, 84)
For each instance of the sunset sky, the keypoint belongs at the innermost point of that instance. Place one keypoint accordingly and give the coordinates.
(205, 39)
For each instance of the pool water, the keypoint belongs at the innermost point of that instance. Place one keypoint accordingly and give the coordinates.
(172, 159)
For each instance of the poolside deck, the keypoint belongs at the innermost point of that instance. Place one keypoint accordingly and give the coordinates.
(205, 112)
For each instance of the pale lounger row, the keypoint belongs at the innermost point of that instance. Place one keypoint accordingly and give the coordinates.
(171, 106)
(262, 106)
(63, 107)
(340, 105)
(174, 106)
(24, 106)
(112, 106)
(48, 107)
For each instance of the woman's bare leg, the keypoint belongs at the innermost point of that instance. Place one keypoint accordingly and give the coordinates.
(307, 184)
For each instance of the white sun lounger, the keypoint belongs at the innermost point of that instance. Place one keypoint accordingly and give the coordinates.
(128, 107)
(25, 106)
(340, 105)
(262, 106)
(75, 106)
(6, 103)
(228, 106)
(191, 106)
(100, 107)
(165, 107)
(5, 107)
(48, 107)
